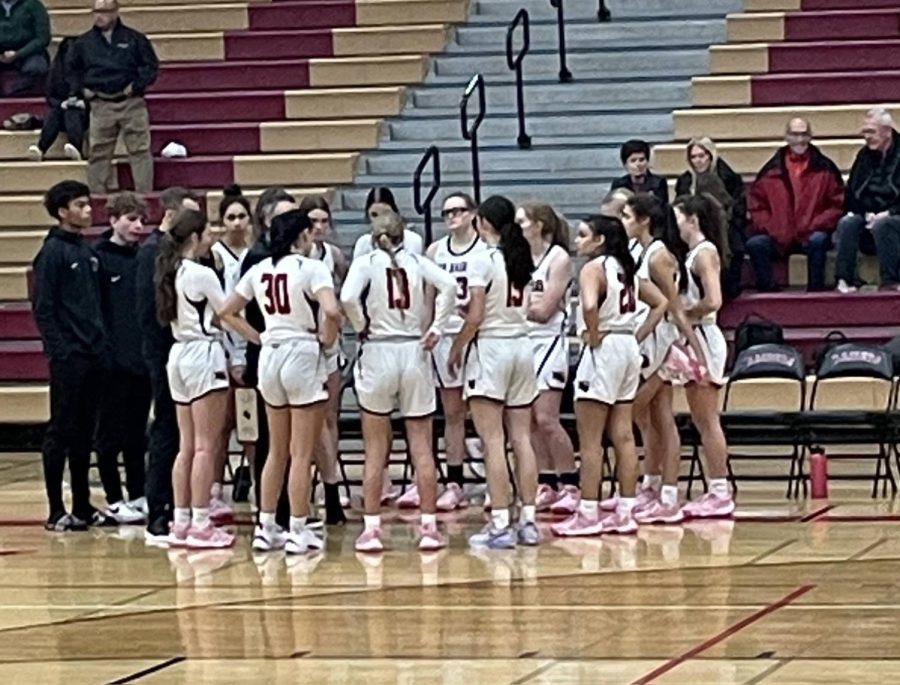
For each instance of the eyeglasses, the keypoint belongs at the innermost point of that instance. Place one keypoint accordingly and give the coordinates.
(235, 217)
(453, 212)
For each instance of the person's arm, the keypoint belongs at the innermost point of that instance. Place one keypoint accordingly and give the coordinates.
(759, 207)
(45, 305)
(360, 247)
(358, 278)
(651, 296)
(215, 295)
(474, 319)
(592, 289)
(321, 285)
(148, 65)
(340, 263)
(663, 272)
(542, 306)
(445, 285)
(41, 37)
(75, 69)
(708, 268)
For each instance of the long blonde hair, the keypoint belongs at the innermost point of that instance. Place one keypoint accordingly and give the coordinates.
(387, 235)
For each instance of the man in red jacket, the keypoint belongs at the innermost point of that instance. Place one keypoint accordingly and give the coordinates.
(795, 204)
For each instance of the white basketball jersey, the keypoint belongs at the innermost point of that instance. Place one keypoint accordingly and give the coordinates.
(286, 295)
(412, 242)
(618, 310)
(231, 263)
(200, 296)
(388, 300)
(693, 294)
(456, 263)
(643, 255)
(556, 324)
(506, 308)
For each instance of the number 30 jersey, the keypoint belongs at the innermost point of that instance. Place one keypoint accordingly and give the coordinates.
(457, 264)
(618, 310)
(386, 299)
(286, 294)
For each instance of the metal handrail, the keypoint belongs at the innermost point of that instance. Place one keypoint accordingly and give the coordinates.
(564, 74)
(603, 13)
(514, 62)
(423, 207)
(470, 131)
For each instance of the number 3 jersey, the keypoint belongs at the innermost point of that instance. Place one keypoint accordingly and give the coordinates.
(618, 310)
(285, 292)
(386, 298)
(457, 264)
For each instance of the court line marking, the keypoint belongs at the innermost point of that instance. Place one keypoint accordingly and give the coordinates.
(723, 635)
(774, 550)
(147, 671)
(861, 553)
(817, 513)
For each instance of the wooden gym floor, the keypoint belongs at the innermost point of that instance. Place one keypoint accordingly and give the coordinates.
(786, 595)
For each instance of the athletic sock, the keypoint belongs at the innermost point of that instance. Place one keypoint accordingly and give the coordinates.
(455, 474)
(652, 482)
(500, 518)
(298, 523)
(719, 487)
(182, 516)
(429, 519)
(527, 514)
(200, 517)
(588, 507)
(625, 505)
(372, 521)
(570, 478)
(669, 495)
(549, 478)
(267, 520)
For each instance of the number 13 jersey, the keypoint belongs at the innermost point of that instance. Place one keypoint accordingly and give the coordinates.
(505, 307)
(458, 264)
(285, 292)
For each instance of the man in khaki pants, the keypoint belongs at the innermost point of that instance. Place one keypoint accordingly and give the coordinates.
(113, 65)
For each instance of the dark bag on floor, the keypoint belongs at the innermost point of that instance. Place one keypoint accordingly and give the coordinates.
(755, 330)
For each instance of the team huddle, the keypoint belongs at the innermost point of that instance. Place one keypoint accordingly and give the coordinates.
(481, 318)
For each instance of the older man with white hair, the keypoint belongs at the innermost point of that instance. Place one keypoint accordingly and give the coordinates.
(872, 222)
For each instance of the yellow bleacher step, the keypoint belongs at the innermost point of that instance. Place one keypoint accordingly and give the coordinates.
(367, 71)
(20, 247)
(313, 136)
(219, 16)
(390, 40)
(717, 91)
(760, 27)
(36, 177)
(344, 102)
(392, 12)
(13, 283)
(131, 4)
(772, 5)
(867, 267)
(264, 170)
(741, 58)
(749, 123)
(749, 157)
(23, 211)
(24, 404)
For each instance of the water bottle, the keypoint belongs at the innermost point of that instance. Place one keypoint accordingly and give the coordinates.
(818, 473)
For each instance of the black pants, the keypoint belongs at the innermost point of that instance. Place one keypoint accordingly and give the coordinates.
(283, 511)
(75, 387)
(73, 121)
(163, 443)
(122, 429)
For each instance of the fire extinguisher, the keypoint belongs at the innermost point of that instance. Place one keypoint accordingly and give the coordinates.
(818, 473)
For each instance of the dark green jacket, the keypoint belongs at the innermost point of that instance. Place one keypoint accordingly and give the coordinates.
(26, 29)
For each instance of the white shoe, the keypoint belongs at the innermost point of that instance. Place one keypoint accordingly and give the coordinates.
(302, 542)
(72, 152)
(268, 539)
(844, 287)
(122, 512)
(34, 153)
(139, 504)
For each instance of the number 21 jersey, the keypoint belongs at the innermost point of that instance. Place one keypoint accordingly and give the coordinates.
(286, 292)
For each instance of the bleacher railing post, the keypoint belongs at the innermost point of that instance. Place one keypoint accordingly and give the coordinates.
(564, 74)
(603, 13)
(514, 62)
(470, 131)
(423, 205)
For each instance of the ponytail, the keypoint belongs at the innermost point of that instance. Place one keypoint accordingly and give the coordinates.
(711, 218)
(553, 227)
(187, 223)
(662, 227)
(501, 213)
(285, 230)
(387, 235)
(615, 242)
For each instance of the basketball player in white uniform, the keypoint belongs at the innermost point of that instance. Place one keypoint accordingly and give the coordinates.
(548, 306)
(319, 212)
(188, 297)
(380, 200)
(453, 253)
(645, 217)
(498, 361)
(384, 297)
(291, 291)
(700, 223)
(609, 370)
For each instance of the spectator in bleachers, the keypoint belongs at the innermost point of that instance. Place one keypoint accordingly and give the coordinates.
(112, 66)
(24, 37)
(872, 223)
(66, 113)
(635, 156)
(709, 174)
(795, 204)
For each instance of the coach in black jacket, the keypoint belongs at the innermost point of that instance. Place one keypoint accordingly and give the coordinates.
(67, 308)
(157, 341)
